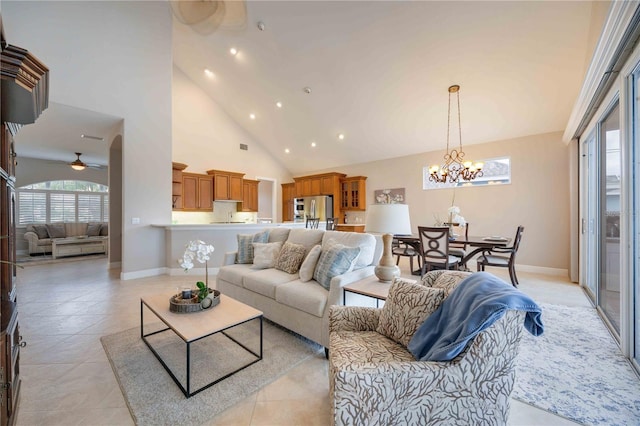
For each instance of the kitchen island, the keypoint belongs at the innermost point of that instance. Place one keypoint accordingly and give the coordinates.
(222, 236)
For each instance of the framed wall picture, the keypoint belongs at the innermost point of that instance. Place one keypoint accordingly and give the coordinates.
(389, 196)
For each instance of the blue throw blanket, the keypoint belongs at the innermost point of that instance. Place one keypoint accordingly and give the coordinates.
(476, 303)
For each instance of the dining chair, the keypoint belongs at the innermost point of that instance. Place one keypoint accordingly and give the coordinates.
(434, 249)
(503, 257)
(456, 248)
(331, 224)
(312, 222)
(402, 248)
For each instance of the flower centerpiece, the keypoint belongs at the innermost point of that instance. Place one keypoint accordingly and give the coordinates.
(200, 251)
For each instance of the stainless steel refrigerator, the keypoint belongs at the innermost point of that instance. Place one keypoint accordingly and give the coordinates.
(320, 207)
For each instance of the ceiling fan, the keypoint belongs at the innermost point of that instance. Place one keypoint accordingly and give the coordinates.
(78, 164)
(205, 16)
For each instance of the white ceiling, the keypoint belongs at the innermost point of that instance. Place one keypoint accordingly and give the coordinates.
(379, 73)
(57, 135)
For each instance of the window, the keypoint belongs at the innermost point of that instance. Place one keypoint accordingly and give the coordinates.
(63, 201)
(496, 171)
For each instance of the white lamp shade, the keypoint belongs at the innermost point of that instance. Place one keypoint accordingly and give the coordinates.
(388, 219)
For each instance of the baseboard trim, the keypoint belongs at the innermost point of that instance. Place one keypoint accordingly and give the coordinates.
(543, 270)
(194, 271)
(124, 276)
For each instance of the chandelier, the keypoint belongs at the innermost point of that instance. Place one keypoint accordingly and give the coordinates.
(454, 167)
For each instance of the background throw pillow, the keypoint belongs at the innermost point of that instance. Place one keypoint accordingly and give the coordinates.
(406, 308)
(309, 264)
(334, 261)
(266, 254)
(93, 229)
(41, 231)
(56, 231)
(245, 245)
(290, 258)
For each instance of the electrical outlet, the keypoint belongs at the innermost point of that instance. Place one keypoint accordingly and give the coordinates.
(135, 221)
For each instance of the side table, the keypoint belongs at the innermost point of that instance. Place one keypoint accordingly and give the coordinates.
(370, 286)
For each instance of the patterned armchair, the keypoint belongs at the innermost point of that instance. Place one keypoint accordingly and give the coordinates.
(375, 380)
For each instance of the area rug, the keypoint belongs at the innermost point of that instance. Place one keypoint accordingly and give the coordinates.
(576, 370)
(154, 399)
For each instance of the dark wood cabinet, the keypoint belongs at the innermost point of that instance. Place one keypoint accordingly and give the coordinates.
(25, 94)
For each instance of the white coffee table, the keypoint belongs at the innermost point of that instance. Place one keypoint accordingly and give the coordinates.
(74, 246)
(192, 327)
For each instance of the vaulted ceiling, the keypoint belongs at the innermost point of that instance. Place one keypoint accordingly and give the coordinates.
(378, 73)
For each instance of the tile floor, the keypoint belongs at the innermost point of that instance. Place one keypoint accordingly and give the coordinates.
(64, 309)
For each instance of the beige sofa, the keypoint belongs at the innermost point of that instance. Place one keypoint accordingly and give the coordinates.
(40, 239)
(301, 306)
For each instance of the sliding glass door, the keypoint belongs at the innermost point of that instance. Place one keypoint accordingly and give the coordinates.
(601, 216)
(609, 218)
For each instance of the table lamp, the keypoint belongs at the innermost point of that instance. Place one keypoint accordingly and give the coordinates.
(388, 219)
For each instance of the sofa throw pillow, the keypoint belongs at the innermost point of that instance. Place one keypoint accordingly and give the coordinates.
(406, 308)
(93, 229)
(309, 264)
(290, 257)
(104, 230)
(245, 245)
(41, 231)
(56, 230)
(265, 254)
(334, 261)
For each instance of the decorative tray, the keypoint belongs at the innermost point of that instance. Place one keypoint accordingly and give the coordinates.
(185, 306)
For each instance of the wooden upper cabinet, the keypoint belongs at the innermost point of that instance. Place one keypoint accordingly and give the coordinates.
(250, 195)
(353, 193)
(197, 192)
(205, 193)
(227, 185)
(314, 185)
(189, 191)
(176, 185)
(288, 194)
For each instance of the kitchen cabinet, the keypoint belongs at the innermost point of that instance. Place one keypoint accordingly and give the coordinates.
(353, 193)
(288, 191)
(176, 185)
(227, 186)
(197, 192)
(350, 228)
(250, 195)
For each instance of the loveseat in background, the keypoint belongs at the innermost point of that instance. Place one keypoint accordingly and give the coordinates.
(300, 306)
(39, 239)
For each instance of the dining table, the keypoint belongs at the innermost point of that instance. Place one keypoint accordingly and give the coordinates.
(479, 244)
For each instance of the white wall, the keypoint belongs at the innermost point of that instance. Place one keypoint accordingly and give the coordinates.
(205, 137)
(114, 58)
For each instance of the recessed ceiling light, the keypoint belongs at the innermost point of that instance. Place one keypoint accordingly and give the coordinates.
(208, 73)
(286, 150)
(313, 144)
(252, 116)
(233, 51)
(341, 136)
(279, 104)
